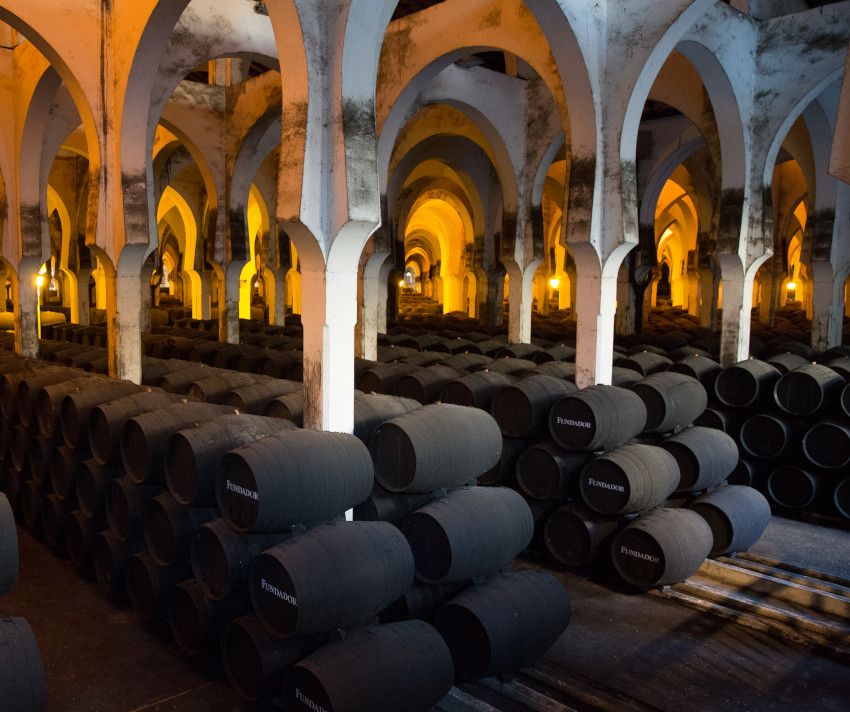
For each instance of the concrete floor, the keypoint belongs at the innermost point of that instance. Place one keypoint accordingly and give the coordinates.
(99, 659)
(807, 546)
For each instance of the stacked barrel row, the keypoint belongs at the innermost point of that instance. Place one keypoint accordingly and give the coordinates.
(463, 538)
(791, 418)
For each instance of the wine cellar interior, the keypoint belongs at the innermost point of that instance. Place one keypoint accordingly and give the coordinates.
(424, 355)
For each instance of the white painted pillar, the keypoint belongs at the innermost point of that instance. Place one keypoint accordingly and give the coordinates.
(706, 297)
(82, 296)
(596, 306)
(124, 300)
(328, 318)
(371, 300)
(147, 298)
(383, 296)
(27, 307)
(228, 303)
(277, 307)
(625, 319)
(520, 298)
(204, 310)
(737, 309)
(827, 307)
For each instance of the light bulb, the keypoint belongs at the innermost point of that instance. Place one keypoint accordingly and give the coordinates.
(554, 282)
(791, 286)
(39, 281)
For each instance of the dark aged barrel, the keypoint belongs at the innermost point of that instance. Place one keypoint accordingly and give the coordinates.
(111, 556)
(64, 467)
(255, 661)
(504, 624)
(624, 377)
(426, 384)
(786, 362)
(170, 528)
(705, 370)
(221, 558)
(125, 506)
(289, 407)
(77, 406)
(20, 447)
(547, 471)
(430, 448)
(293, 477)
(40, 452)
(8, 547)
(49, 401)
(808, 389)
(29, 387)
(510, 366)
(521, 408)
(54, 517)
(525, 351)
(827, 445)
(466, 361)
(93, 480)
(24, 686)
(80, 534)
(475, 390)
(745, 383)
(556, 353)
(841, 366)
(32, 502)
(384, 506)
(383, 377)
(282, 364)
(765, 435)
(596, 418)
(574, 535)
(108, 419)
(844, 400)
(489, 347)
(504, 471)
(149, 585)
(215, 389)
(373, 410)
(645, 363)
(179, 382)
(559, 369)
(792, 487)
(662, 547)
(145, 437)
(705, 457)
(470, 532)
(419, 358)
(720, 420)
(154, 369)
(196, 622)
(421, 602)
(841, 498)
(631, 478)
(255, 398)
(333, 576)
(427, 342)
(194, 454)
(672, 400)
(737, 516)
(400, 667)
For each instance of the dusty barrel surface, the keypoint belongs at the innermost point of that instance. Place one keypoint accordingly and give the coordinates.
(289, 407)
(196, 622)
(30, 385)
(193, 455)
(111, 557)
(574, 535)
(521, 408)
(384, 506)
(149, 585)
(745, 383)
(421, 602)
(631, 478)
(125, 505)
(705, 457)
(332, 576)
(24, 684)
(808, 389)
(430, 448)
(293, 477)
(254, 660)
(425, 384)
(547, 471)
(373, 410)
(64, 467)
(596, 418)
(662, 547)
(766, 435)
(48, 405)
(793, 487)
(145, 437)
(76, 409)
(737, 516)
(827, 445)
(383, 377)
(704, 369)
(504, 624)
(8, 547)
(786, 362)
(169, 528)
(672, 400)
(468, 533)
(399, 667)
(475, 390)
(222, 558)
(254, 399)
(215, 389)
(644, 362)
(92, 487)
(107, 420)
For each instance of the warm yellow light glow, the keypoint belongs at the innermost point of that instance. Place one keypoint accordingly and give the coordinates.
(39, 281)
(791, 286)
(554, 282)
(401, 283)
